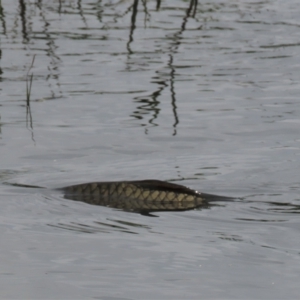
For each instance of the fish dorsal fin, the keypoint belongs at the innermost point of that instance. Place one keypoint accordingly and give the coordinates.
(164, 186)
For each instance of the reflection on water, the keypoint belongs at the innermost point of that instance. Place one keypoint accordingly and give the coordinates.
(53, 67)
(108, 226)
(150, 104)
(24, 21)
(167, 78)
(2, 19)
(29, 78)
(147, 104)
(134, 8)
(100, 227)
(283, 207)
(30, 35)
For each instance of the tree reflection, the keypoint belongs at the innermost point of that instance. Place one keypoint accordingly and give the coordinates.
(2, 18)
(150, 104)
(132, 27)
(23, 20)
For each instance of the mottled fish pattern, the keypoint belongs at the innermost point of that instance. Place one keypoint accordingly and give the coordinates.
(140, 196)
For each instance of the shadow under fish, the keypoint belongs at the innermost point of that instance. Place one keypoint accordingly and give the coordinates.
(144, 196)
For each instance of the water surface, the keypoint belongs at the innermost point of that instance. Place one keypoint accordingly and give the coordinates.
(202, 93)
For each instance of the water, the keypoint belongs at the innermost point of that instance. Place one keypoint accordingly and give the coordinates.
(123, 91)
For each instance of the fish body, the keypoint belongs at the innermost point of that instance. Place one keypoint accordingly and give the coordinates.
(140, 196)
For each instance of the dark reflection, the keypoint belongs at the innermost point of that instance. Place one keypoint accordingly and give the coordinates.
(28, 34)
(20, 184)
(99, 10)
(1, 72)
(2, 18)
(284, 207)
(29, 78)
(29, 123)
(278, 208)
(81, 12)
(143, 196)
(158, 4)
(54, 63)
(191, 11)
(78, 227)
(101, 227)
(172, 89)
(23, 19)
(131, 224)
(150, 104)
(229, 237)
(59, 6)
(132, 27)
(147, 14)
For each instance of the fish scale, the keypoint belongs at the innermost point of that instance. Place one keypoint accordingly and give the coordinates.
(141, 196)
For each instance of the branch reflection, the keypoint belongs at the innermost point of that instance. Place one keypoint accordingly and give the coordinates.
(148, 107)
(132, 27)
(28, 34)
(29, 123)
(54, 64)
(23, 19)
(1, 71)
(150, 104)
(2, 18)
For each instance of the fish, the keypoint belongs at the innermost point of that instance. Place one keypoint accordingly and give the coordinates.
(142, 196)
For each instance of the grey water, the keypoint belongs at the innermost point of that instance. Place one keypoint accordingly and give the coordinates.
(200, 93)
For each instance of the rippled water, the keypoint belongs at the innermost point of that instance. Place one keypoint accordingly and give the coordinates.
(203, 93)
